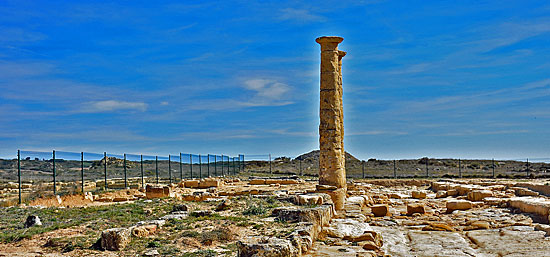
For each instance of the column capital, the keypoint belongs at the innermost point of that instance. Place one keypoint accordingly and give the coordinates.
(331, 39)
(329, 43)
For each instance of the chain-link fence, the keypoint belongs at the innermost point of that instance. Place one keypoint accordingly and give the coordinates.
(34, 174)
(308, 165)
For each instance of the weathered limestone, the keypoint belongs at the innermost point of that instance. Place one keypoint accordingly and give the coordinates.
(115, 239)
(458, 205)
(380, 210)
(415, 208)
(418, 194)
(479, 195)
(536, 205)
(158, 191)
(332, 161)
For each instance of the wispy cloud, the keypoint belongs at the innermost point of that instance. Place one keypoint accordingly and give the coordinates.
(113, 106)
(267, 92)
(300, 15)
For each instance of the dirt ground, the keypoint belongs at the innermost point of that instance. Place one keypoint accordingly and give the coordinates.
(490, 227)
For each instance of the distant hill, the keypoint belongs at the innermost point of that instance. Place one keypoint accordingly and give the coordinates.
(314, 156)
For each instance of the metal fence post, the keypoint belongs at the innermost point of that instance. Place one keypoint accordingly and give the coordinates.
(270, 168)
(191, 165)
(363, 168)
(169, 169)
(181, 169)
(19, 173)
(208, 164)
(53, 161)
(200, 167)
(125, 174)
(244, 163)
(215, 165)
(222, 164)
(493, 165)
(157, 167)
(459, 169)
(234, 167)
(142, 178)
(105, 169)
(394, 170)
(82, 170)
(228, 166)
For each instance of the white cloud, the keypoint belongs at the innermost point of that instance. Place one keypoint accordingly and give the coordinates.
(113, 105)
(267, 92)
(300, 15)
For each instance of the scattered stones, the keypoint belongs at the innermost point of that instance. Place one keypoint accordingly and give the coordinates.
(115, 239)
(32, 221)
(415, 208)
(380, 210)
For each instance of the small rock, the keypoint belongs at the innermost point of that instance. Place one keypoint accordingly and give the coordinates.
(179, 207)
(478, 195)
(371, 246)
(441, 194)
(478, 224)
(380, 210)
(115, 239)
(434, 226)
(152, 253)
(415, 208)
(32, 220)
(201, 213)
(224, 205)
(458, 205)
(418, 195)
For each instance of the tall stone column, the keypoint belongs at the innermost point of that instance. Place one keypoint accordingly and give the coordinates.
(332, 170)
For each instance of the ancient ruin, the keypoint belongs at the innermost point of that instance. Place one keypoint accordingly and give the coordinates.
(332, 163)
(252, 214)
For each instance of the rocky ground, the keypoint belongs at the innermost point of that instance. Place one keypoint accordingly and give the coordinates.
(288, 216)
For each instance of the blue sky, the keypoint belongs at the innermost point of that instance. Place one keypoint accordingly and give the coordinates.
(468, 79)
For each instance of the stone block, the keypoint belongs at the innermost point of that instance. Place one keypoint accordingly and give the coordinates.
(479, 195)
(158, 191)
(191, 183)
(257, 182)
(418, 195)
(380, 210)
(115, 239)
(458, 205)
(415, 208)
